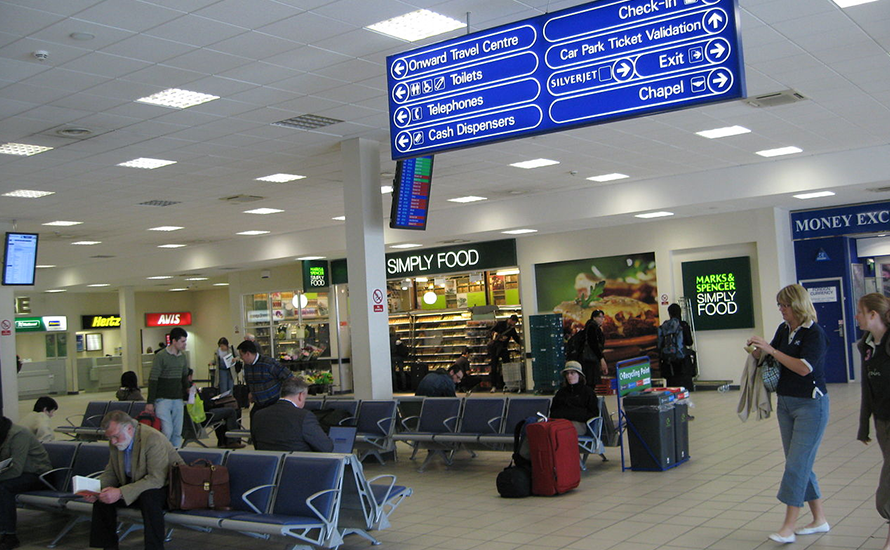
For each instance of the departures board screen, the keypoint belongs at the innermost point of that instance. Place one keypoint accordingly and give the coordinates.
(411, 193)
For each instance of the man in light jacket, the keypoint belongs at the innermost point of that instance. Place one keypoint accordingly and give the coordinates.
(136, 475)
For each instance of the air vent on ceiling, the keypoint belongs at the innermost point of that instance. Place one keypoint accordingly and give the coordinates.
(102, 256)
(775, 99)
(307, 122)
(158, 203)
(885, 189)
(454, 241)
(240, 199)
(228, 268)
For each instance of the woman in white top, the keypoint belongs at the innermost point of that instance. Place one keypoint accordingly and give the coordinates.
(37, 421)
(223, 360)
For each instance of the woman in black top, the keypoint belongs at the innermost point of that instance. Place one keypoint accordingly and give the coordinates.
(799, 346)
(873, 316)
(575, 400)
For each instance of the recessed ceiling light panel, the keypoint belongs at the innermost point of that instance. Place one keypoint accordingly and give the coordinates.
(62, 223)
(519, 231)
(86, 243)
(281, 178)
(309, 258)
(147, 163)
(45, 266)
(814, 195)
(723, 132)
(468, 198)
(196, 278)
(28, 194)
(417, 25)
(220, 284)
(850, 3)
(339, 218)
(264, 211)
(534, 163)
(99, 285)
(22, 149)
(603, 178)
(55, 290)
(307, 122)
(159, 277)
(654, 215)
(177, 99)
(252, 232)
(780, 151)
(171, 245)
(166, 228)
(406, 245)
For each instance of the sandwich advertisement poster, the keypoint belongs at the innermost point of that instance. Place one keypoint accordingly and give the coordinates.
(720, 292)
(624, 287)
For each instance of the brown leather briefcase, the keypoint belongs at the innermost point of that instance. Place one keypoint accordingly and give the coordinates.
(199, 486)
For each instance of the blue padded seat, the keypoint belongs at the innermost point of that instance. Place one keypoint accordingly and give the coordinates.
(480, 417)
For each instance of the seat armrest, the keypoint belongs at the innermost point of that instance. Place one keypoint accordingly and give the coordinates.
(491, 424)
(72, 424)
(392, 483)
(405, 423)
(595, 426)
(388, 422)
(249, 492)
(348, 421)
(44, 475)
(329, 522)
(453, 420)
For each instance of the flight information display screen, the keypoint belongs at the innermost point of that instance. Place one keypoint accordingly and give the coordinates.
(20, 259)
(411, 193)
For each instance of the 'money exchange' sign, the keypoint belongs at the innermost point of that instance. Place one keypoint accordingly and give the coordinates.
(721, 293)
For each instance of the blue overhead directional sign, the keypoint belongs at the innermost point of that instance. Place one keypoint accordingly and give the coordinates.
(590, 64)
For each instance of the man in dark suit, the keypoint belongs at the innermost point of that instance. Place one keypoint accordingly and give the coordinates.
(286, 426)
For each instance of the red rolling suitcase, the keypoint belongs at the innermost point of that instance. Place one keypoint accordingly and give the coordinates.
(556, 464)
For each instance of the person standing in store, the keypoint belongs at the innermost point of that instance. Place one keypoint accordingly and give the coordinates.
(168, 384)
(263, 376)
(498, 349)
(223, 361)
(593, 360)
(676, 366)
(873, 316)
(799, 347)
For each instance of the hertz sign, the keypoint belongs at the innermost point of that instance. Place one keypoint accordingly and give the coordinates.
(100, 321)
(180, 319)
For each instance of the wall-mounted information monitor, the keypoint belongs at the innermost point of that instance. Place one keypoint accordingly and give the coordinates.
(19, 258)
(411, 193)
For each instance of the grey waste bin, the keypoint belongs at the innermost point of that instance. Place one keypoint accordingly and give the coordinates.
(650, 433)
(681, 430)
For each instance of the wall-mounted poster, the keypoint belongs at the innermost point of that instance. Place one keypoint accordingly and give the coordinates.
(720, 291)
(624, 287)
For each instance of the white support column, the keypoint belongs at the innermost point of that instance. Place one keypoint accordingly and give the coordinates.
(7, 347)
(131, 342)
(369, 317)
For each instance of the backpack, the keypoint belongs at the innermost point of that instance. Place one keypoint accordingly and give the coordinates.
(149, 419)
(575, 346)
(670, 340)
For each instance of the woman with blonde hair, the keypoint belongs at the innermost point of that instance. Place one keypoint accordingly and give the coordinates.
(799, 347)
(873, 316)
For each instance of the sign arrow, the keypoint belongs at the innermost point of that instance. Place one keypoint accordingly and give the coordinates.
(403, 141)
(717, 50)
(623, 69)
(401, 116)
(720, 80)
(715, 20)
(398, 68)
(400, 92)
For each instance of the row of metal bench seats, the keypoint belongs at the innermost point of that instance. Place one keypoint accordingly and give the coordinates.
(375, 422)
(87, 428)
(444, 425)
(315, 498)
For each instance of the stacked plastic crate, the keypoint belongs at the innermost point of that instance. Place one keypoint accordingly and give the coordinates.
(548, 351)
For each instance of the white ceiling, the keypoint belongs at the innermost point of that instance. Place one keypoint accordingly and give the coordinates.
(274, 59)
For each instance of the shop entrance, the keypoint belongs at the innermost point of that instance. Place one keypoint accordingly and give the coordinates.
(828, 299)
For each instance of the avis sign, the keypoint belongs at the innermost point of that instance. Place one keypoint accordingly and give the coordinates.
(180, 319)
(721, 293)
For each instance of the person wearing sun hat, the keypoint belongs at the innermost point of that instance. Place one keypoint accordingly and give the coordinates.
(575, 400)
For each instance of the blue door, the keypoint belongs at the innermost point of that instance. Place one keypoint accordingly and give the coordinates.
(828, 298)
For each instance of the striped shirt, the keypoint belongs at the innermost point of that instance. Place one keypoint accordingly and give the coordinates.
(264, 378)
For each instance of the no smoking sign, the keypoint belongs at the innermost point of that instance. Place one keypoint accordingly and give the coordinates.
(377, 297)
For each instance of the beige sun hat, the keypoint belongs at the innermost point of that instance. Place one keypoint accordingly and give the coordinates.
(572, 366)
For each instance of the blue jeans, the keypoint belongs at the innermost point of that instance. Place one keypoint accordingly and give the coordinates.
(225, 380)
(802, 422)
(169, 412)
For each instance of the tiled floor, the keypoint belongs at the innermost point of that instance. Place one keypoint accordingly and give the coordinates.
(722, 499)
